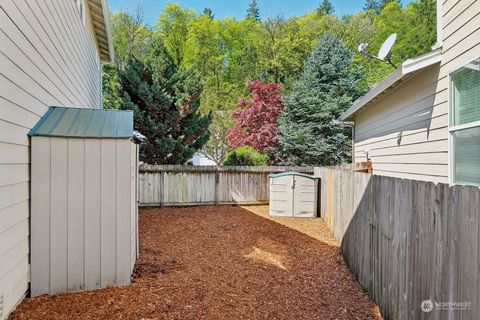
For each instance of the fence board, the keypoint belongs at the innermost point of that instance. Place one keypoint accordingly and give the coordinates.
(406, 241)
(202, 185)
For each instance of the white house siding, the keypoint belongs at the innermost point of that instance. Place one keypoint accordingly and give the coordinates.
(422, 151)
(48, 57)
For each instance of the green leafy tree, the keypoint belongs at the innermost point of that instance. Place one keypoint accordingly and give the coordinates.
(130, 36)
(225, 54)
(326, 8)
(273, 32)
(207, 53)
(246, 156)
(253, 11)
(217, 147)
(173, 26)
(111, 98)
(166, 102)
(310, 133)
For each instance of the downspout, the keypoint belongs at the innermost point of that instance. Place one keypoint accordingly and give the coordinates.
(439, 26)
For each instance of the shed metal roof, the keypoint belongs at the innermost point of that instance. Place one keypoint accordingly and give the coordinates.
(84, 123)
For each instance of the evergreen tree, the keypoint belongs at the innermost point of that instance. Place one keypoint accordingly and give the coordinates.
(310, 132)
(165, 101)
(209, 13)
(372, 5)
(383, 3)
(326, 8)
(253, 12)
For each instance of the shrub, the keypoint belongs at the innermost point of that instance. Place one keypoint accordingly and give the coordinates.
(245, 156)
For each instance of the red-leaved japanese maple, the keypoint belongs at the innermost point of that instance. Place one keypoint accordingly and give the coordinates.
(256, 117)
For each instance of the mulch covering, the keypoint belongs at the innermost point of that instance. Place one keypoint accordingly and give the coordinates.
(219, 263)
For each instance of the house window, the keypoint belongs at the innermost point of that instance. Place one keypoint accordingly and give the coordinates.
(465, 124)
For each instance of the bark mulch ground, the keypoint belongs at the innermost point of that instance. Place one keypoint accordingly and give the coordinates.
(220, 263)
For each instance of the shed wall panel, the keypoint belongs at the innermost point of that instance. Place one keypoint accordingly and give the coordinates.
(123, 212)
(76, 214)
(92, 214)
(40, 221)
(58, 215)
(108, 172)
(133, 205)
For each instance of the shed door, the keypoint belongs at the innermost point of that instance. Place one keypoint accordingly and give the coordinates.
(281, 193)
(304, 197)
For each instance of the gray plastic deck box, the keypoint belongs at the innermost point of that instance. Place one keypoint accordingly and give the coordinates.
(293, 194)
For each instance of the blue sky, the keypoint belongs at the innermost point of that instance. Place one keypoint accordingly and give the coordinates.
(236, 8)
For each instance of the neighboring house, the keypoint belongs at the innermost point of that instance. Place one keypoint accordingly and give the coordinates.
(51, 54)
(423, 121)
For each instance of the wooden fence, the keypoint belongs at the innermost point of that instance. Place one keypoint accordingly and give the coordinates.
(407, 241)
(201, 185)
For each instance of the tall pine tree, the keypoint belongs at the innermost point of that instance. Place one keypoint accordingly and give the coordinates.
(209, 13)
(253, 12)
(165, 101)
(309, 127)
(326, 8)
(372, 5)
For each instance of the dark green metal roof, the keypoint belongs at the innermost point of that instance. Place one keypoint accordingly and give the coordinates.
(84, 123)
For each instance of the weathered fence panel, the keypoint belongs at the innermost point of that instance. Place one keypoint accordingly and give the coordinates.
(203, 185)
(407, 241)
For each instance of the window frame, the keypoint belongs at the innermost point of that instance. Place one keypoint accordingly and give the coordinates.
(454, 128)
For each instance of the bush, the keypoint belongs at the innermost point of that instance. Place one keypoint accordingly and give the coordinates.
(245, 156)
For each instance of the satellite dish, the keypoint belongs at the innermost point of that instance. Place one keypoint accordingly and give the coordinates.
(386, 48)
(362, 47)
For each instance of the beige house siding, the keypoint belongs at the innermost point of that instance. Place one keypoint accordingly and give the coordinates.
(406, 131)
(48, 56)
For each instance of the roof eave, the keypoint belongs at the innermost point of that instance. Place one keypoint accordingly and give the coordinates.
(388, 82)
(405, 71)
(99, 13)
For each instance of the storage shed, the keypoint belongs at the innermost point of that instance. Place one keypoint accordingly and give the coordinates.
(293, 194)
(83, 200)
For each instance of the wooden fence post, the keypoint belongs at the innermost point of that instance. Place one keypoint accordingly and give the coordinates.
(161, 188)
(217, 185)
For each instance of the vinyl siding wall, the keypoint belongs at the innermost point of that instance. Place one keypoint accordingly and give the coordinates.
(406, 131)
(47, 57)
